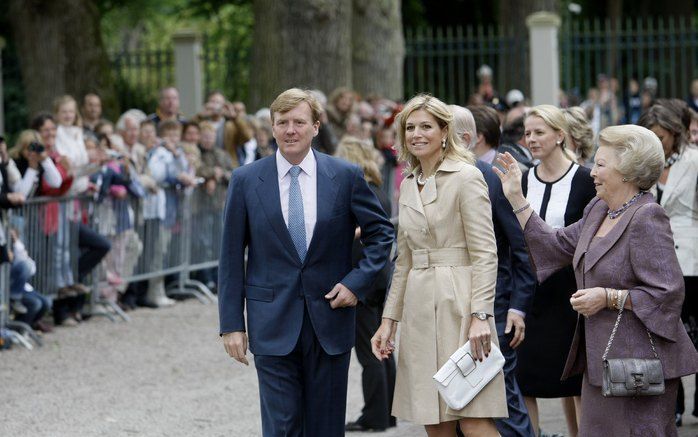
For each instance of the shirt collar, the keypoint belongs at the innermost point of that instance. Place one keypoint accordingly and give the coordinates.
(307, 165)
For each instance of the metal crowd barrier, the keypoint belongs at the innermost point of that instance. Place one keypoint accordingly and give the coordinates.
(145, 244)
(13, 330)
(156, 246)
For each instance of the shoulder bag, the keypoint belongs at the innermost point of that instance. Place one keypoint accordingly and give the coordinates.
(631, 376)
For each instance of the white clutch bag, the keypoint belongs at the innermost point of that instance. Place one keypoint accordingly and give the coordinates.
(462, 377)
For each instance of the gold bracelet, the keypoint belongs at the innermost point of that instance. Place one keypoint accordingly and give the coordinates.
(614, 298)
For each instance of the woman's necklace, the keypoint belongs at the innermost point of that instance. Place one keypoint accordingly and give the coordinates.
(423, 182)
(671, 160)
(615, 213)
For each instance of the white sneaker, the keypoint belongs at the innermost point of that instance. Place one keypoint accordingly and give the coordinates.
(164, 301)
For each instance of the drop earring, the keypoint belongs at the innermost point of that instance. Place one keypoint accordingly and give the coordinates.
(443, 144)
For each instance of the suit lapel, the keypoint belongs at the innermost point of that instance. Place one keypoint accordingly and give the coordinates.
(591, 225)
(598, 250)
(410, 196)
(327, 189)
(269, 198)
(676, 174)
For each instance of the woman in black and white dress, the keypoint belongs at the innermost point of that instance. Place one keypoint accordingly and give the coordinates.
(558, 189)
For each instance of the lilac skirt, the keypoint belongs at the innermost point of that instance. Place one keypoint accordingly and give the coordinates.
(647, 416)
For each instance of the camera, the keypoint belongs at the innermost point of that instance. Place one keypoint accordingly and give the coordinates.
(36, 147)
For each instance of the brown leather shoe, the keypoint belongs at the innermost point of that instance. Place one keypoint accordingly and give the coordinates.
(42, 327)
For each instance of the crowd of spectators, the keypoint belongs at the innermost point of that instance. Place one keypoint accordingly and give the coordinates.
(74, 150)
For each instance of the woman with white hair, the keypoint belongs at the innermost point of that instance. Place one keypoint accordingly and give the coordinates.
(630, 287)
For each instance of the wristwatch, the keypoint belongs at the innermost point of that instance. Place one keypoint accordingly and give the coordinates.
(481, 316)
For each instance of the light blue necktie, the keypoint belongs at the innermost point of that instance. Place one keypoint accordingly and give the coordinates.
(296, 218)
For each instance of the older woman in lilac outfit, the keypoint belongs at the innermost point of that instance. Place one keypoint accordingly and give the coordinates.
(623, 245)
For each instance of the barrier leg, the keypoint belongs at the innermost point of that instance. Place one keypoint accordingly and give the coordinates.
(116, 309)
(25, 331)
(180, 289)
(20, 339)
(201, 288)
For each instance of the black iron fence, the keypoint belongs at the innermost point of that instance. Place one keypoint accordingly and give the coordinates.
(444, 61)
(663, 48)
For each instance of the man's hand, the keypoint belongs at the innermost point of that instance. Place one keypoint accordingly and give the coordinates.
(341, 296)
(517, 322)
(589, 301)
(235, 344)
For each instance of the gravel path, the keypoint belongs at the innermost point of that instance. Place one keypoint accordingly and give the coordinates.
(163, 374)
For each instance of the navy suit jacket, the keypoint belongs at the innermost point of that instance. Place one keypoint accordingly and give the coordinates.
(515, 280)
(274, 285)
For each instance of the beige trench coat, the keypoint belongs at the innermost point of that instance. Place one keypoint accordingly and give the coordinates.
(446, 269)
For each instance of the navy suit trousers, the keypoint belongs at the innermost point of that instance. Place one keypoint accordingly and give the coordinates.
(519, 423)
(303, 393)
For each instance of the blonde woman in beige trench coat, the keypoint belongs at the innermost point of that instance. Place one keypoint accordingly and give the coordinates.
(445, 274)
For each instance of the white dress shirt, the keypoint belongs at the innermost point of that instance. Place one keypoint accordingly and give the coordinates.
(307, 180)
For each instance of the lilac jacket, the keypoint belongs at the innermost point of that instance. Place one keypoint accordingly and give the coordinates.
(637, 255)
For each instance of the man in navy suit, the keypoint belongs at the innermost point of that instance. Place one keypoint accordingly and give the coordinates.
(295, 213)
(515, 280)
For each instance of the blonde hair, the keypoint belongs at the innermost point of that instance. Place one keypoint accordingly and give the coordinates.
(293, 97)
(25, 137)
(463, 122)
(62, 100)
(580, 131)
(553, 117)
(444, 117)
(362, 153)
(640, 153)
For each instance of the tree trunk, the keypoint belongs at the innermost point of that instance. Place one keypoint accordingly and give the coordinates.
(60, 50)
(299, 43)
(513, 22)
(378, 48)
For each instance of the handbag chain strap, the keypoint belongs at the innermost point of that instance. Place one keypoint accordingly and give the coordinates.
(615, 328)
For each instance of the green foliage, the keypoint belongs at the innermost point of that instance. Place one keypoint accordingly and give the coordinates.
(14, 100)
(135, 30)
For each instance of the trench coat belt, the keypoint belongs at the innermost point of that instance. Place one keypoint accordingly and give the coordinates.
(445, 257)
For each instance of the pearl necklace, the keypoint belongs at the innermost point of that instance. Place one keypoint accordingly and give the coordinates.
(615, 213)
(671, 160)
(423, 182)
